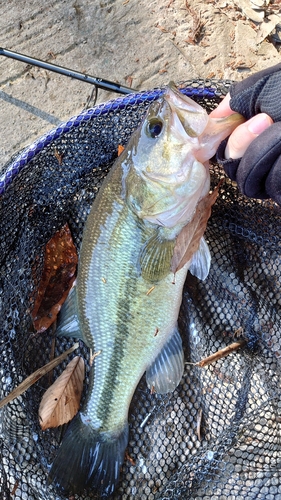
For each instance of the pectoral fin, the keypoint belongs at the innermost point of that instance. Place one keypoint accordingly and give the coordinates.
(155, 257)
(166, 371)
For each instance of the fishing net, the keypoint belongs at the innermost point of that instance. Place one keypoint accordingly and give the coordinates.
(217, 436)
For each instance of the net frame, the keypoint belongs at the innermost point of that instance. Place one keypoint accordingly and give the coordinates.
(175, 449)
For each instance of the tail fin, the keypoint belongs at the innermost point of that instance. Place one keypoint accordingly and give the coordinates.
(88, 460)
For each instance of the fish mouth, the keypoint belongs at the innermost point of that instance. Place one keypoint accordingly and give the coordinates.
(185, 121)
(191, 115)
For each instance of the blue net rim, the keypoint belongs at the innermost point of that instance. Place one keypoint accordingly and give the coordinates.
(203, 92)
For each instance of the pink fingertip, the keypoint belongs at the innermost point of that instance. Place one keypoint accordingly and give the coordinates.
(259, 123)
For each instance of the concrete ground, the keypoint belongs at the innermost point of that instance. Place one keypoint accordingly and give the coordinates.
(134, 42)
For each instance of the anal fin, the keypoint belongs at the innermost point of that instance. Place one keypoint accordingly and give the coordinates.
(166, 371)
(201, 261)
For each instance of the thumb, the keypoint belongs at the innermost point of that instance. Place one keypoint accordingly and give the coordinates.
(244, 134)
(223, 108)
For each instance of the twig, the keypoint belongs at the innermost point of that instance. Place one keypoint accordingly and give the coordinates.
(198, 24)
(93, 356)
(34, 377)
(209, 59)
(221, 353)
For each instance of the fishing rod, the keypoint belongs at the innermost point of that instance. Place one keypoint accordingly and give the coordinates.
(98, 82)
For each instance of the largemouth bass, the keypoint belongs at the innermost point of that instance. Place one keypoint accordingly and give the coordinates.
(131, 273)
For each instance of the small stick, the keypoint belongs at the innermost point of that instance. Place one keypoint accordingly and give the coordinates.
(93, 356)
(129, 458)
(221, 353)
(156, 332)
(209, 59)
(34, 377)
(145, 419)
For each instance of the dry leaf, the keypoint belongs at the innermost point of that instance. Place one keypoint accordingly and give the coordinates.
(267, 27)
(61, 401)
(197, 27)
(59, 156)
(129, 80)
(254, 15)
(58, 275)
(164, 30)
(120, 149)
(188, 241)
(34, 377)
(210, 58)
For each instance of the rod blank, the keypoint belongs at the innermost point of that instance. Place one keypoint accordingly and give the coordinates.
(98, 82)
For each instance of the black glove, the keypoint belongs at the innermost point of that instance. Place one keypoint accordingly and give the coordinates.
(258, 173)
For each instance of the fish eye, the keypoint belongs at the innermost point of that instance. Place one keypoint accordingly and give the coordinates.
(154, 127)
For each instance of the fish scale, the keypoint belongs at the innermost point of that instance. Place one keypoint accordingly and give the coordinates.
(124, 357)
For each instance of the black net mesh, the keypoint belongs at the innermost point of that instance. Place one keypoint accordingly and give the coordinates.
(218, 435)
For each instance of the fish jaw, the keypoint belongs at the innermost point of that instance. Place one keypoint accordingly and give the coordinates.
(210, 132)
(164, 157)
(193, 117)
(217, 129)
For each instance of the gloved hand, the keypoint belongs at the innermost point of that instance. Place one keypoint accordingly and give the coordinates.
(258, 172)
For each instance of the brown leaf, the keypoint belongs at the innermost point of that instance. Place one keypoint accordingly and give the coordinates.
(58, 275)
(129, 80)
(120, 149)
(61, 401)
(164, 30)
(35, 376)
(210, 58)
(58, 156)
(188, 241)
